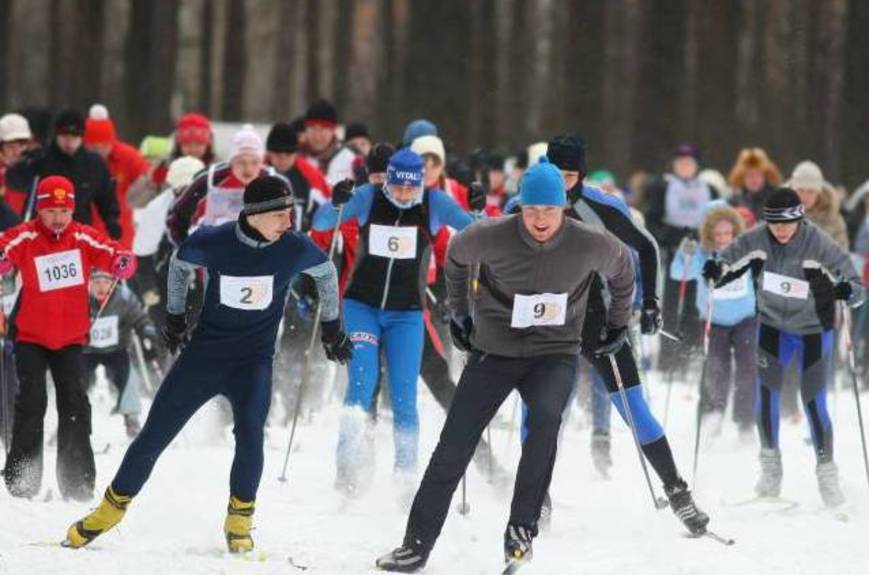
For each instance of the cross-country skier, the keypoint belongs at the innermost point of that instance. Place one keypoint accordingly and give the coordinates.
(55, 256)
(800, 273)
(249, 265)
(383, 305)
(523, 327)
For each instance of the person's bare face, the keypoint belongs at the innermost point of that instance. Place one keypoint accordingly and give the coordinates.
(360, 144)
(272, 225)
(282, 161)
(783, 231)
(102, 149)
(195, 149)
(100, 287)
(685, 167)
(434, 169)
(571, 178)
(808, 197)
(55, 219)
(753, 180)
(542, 222)
(12, 151)
(722, 234)
(246, 167)
(319, 138)
(68, 143)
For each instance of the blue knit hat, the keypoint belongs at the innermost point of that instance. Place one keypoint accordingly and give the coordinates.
(542, 185)
(405, 169)
(417, 128)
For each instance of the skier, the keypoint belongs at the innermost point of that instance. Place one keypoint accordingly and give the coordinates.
(800, 273)
(250, 264)
(734, 322)
(322, 146)
(54, 255)
(117, 314)
(524, 332)
(383, 305)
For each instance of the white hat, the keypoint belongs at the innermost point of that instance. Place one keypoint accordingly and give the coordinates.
(182, 170)
(807, 176)
(429, 145)
(14, 127)
(535, 151)
(246, 141)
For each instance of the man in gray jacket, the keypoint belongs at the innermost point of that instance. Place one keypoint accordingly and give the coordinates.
(522, 327)
(800, 273)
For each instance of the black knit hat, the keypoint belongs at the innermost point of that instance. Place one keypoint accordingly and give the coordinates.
(378, 158)
(783, 205)
(282, 138)
(688, 150)
(69, 122)
(267, 194)
(567, 153)
(356, 130)
(321, 112)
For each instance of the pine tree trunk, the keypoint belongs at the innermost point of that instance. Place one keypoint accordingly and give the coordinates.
(235, 61)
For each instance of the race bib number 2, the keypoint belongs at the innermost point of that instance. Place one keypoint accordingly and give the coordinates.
(397, 242)
(246, 292)
(60, 270)
(539, 309)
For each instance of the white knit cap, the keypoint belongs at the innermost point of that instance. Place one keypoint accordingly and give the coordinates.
(535, 151)
(182, 170)
(14, 127)
(807, 176)
(429, 145)
(246, 141)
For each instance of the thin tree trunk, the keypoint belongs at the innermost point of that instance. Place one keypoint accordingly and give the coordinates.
(366, 54)
(830, 82)
(777, 109)
(541, 14)
(503, 69)
(747, 88)
(5, 45)
(206, 58)
(327, 12)
(235, 61)
(691, 77)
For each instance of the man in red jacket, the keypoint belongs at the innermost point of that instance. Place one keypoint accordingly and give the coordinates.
(55, 256)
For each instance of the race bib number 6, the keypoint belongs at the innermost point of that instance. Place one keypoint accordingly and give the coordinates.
(539, 309)
(246, 292)
(60, 270)
(397, 242)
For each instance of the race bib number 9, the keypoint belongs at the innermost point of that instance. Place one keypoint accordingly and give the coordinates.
(539, 309)
(104, 332)
(397, 242)
(785, 286)
(246, 292)
(60, 270)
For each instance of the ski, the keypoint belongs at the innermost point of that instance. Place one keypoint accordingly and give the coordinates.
(299, 566)
(784, 504)
(726, 541)
(513, 566)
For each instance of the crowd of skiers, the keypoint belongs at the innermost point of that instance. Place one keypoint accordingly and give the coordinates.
(213, 276)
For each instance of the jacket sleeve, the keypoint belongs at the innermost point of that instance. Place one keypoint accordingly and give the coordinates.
(13, 242)
(181, 212)
(617, 269)
(446, 211)
(100, 249)
(463, 251)
(358, 207)
(136, 317)
(106, 199)
(744, 254)
(837, 261)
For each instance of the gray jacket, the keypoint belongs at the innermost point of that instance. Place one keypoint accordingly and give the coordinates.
(513, 266)
(123, 314)
(782, 274)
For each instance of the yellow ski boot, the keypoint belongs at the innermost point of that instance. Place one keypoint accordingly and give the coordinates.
(108, 513)
(237, 527)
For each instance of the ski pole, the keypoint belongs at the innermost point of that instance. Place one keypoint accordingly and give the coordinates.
(4, 395)
(680, 310)
(849, 343)
(658, 502)
(306, 362)
(140, 357)
(104, 303)
(707, 331)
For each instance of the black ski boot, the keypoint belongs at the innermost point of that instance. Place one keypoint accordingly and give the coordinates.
(685, 509)
(409, 558)
(517, 543)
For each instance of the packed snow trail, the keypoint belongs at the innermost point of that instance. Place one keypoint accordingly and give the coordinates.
(599, 527)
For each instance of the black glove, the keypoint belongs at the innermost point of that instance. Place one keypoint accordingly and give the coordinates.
(477, 197)
(460, 330)
(342, 192)
(175, 331)
(612, 341)
(712, 270)
(152, 347)
(843, 291)
(336, 344)
(650, 318)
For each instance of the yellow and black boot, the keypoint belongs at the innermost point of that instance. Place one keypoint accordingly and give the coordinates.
(108, 513)
(237, 527)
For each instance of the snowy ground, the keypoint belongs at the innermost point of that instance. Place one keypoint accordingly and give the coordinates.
(599, 527)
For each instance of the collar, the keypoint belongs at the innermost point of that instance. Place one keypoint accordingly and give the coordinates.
(49, 233)
(551, 244)
(247, 235)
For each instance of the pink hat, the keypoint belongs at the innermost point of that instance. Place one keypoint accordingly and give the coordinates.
(246, 141)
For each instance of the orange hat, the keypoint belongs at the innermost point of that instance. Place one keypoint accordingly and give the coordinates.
(55, 192)
(98, 128)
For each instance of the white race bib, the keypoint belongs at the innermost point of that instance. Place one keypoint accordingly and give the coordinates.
(734, 290)
(397, 242)
(785, 286)
(246, 292)
(539, 309)
(104, 332)
(60, 270)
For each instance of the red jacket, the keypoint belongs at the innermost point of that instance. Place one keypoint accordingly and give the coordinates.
(126, 165)
(53, 306)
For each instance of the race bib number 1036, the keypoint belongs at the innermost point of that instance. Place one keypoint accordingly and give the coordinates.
(60, 270)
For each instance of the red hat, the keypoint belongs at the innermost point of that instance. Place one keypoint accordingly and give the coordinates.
(55, 192)
(99, 128)
(193, 129)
